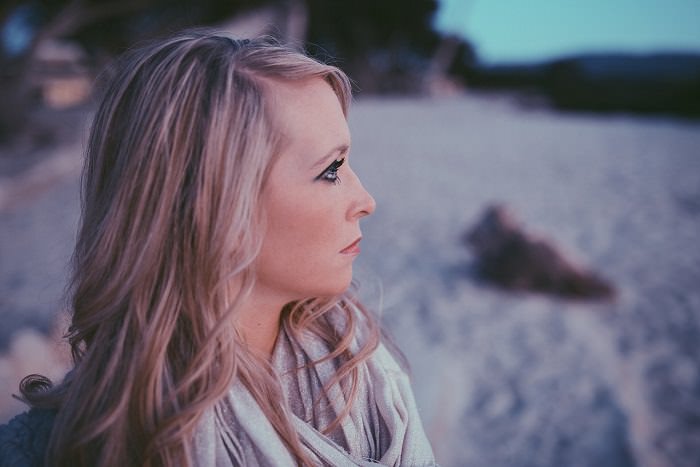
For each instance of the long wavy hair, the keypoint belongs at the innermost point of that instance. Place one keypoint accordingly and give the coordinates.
(177, 158)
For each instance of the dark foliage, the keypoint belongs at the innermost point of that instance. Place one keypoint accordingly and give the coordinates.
(652, 84)
(385, 46)
(102, 27)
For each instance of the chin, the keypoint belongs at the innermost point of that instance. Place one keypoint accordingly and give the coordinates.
(334, 291)
(336, 288)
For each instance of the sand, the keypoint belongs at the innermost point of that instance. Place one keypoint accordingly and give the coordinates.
(501, 379)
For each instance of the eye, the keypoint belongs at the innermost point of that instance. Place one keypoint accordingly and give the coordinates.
(330, 174)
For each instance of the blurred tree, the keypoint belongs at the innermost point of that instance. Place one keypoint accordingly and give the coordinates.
(385, 46)
(464, 59)
(102, 27)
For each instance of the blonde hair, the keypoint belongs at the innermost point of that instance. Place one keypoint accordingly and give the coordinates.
(177, 158)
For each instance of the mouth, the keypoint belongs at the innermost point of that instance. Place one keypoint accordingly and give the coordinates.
(353, 248)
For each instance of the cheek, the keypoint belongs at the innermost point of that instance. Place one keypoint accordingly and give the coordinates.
(300, 252)
(300, 228)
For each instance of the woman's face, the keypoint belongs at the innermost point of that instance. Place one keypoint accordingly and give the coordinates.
(313, 201)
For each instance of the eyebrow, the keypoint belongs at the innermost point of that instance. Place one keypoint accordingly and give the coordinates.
(342, 149)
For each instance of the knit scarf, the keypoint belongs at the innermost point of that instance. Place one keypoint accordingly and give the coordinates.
(383, 427)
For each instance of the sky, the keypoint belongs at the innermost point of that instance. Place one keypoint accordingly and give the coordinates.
(534, 30)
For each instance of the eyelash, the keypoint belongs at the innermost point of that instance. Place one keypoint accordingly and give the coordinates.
(331, 173)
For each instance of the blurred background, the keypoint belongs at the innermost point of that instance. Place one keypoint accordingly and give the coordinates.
(561, 329)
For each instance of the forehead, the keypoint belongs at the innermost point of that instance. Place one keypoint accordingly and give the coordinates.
(309, 118)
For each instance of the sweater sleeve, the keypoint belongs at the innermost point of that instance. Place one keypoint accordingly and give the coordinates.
(24, 439)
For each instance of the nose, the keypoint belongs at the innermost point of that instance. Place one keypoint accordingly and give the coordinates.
(363, 204)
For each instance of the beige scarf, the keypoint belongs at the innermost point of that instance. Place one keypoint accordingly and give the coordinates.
(382, 428)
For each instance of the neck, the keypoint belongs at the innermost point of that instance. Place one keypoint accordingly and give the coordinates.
(259, 322)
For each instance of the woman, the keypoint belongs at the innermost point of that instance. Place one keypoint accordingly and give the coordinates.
(212, 323)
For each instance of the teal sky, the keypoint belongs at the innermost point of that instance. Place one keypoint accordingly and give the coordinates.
(531, 30)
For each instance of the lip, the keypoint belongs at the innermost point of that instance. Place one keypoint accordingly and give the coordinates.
(353, 248)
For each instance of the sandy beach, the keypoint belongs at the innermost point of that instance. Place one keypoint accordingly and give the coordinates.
(501, 379)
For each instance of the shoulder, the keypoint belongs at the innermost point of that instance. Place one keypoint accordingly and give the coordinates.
(24, 439)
